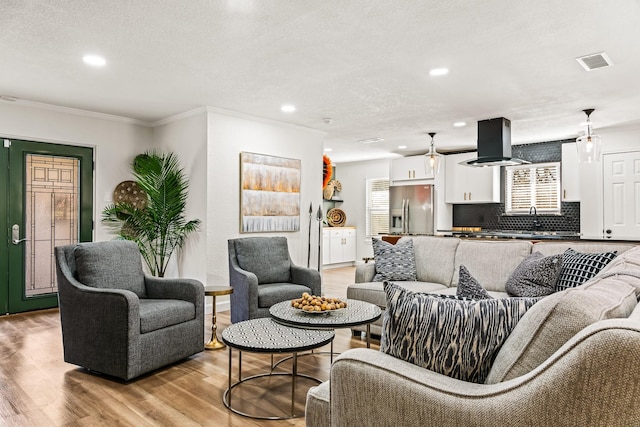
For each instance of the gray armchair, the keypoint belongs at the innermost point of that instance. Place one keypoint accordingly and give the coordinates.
(262, 274)
(119, 322)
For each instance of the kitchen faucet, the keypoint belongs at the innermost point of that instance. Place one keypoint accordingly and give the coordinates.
(536, 223)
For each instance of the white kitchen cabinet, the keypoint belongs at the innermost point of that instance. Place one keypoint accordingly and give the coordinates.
(570, 173)
(326, 245)
(341, 246)
(467, 184)
(410, 168)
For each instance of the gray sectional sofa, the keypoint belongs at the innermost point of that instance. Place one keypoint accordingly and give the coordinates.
(571, 360)
(438, 261)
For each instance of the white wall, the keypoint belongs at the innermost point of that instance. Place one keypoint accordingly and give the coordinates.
(228, 135)
(115, 141)
(186, 136)
(353, 177)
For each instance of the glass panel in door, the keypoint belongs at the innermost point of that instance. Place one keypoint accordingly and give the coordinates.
(51, 217)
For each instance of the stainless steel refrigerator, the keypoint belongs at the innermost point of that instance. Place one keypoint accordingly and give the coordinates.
(411, 209)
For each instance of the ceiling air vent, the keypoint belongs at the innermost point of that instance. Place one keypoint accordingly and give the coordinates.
(595, 61)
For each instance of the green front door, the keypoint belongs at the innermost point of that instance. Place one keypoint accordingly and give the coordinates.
(48, 202)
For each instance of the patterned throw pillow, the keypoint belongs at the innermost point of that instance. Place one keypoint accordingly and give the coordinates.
(469, 287)
(394, 262)
(579, 267)
(455, 297)
(536, 276)
(459, 339)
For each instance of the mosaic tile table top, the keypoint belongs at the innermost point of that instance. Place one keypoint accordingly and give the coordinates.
(356, 313)
(266, 336)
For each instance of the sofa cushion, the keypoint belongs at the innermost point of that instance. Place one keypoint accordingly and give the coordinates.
(394, 262)
(536, 276)
(555, 247)
(448, 336)
(110, 265)
(579, 267)
(160, 313)
(373, 292)
(491, 262)
(469, 287)
(266, 257)
(434, 258)
(627, 264)
(557, 318)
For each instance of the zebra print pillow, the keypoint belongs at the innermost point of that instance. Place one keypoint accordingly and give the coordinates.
(456, 338)
(394, 262)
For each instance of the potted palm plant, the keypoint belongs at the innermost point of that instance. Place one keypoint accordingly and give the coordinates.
(160, 227)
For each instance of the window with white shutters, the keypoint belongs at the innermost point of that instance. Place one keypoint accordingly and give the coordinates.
(377, 221)
(532, 185)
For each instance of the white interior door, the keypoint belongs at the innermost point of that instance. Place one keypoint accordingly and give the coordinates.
(621, 179)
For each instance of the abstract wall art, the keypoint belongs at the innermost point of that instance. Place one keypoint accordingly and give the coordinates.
(269, 193)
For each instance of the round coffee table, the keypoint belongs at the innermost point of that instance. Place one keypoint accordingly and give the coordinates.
(215, 291)
(356, 313)
(266, 336)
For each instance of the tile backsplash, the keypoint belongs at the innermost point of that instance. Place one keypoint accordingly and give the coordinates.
(491, 216)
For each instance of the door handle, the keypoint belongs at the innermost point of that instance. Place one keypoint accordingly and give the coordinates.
(15, 235)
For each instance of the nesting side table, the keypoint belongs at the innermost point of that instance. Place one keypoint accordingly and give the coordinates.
(263, 335)
(215, 291)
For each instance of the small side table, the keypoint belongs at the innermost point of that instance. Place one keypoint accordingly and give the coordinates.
(215, 291)
(263, 335)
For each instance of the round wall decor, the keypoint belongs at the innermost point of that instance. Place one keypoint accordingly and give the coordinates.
(130, 192)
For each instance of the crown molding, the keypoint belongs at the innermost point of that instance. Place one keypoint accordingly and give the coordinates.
(179, 116)
(230, 113)
(80, 112)
(161, 122)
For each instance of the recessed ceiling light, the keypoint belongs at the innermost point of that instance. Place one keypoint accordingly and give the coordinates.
(370, 140)
(288, 108)
(439, 71)
(459, 124)
(94, 60)
(328, 149)
(402, 147)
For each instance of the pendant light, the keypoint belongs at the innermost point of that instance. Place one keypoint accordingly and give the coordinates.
(589, 144)
(432, 159)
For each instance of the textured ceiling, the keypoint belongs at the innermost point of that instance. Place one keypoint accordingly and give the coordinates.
(362, 63)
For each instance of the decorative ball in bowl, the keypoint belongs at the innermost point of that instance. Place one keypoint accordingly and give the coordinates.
(316, 304)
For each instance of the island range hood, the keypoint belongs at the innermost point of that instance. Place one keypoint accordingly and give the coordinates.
(494, 144)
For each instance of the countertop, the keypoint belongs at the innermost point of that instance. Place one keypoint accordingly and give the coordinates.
(515, 234)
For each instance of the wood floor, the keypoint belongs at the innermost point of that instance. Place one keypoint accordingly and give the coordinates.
(37, 388)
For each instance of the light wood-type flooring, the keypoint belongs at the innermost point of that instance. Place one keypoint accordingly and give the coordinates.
(37, 388)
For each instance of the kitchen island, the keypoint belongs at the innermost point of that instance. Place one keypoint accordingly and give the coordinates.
(533, 236)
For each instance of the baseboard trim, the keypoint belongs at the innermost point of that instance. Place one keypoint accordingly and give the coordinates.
(220, 306)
